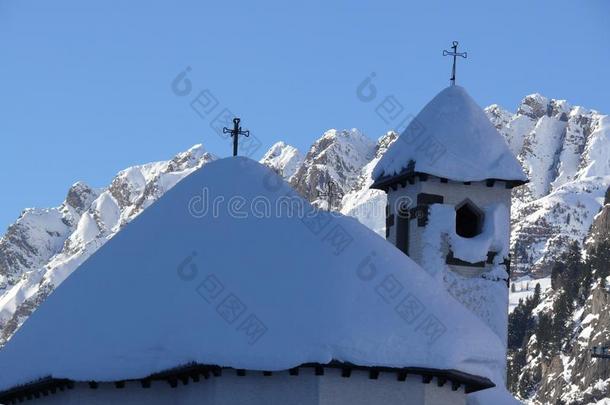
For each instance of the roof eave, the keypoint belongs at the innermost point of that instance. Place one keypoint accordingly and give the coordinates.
(49, 385)
(408, 176)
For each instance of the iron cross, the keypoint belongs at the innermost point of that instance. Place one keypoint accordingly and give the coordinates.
(455, 54)
(235, 133)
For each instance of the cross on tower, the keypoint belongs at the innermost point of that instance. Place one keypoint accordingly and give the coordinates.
(455, 54)
(235, 133)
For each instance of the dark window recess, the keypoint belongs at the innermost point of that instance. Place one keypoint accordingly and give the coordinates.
(424, 198)
(402, 230)
(389, 221)
(468, 220)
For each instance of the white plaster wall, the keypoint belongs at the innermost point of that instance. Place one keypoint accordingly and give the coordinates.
(360, 390)
(278, 389)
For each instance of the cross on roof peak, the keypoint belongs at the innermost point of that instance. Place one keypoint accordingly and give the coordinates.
(455, 54)
(235, 132)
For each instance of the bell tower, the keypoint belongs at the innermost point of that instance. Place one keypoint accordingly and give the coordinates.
(448, 179)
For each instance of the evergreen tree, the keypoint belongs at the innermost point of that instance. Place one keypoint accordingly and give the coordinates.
(567, 274)
(544, 334)
(516, 363)
(521, 326)
(585, 282)
(536, 296)
(557, 272)
(562, 310)
(574, 265)
(517, 324)
(599, 260)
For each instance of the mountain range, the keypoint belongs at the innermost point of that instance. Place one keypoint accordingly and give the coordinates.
(563, 149)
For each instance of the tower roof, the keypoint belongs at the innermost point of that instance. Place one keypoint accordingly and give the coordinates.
(451, 138)
(197, 278)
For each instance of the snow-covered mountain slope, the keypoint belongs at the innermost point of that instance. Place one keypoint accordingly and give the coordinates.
(363, 203)
(283, 159)
(553, 363)
(338, 156)
(38, 234)
(524, 287)
(565, 151)
(44, 246)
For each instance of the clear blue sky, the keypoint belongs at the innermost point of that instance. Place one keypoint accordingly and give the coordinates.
(86, 86)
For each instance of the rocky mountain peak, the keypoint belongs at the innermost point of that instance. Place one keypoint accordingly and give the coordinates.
(80, 195)
(498, 115)
(563, 149)
(534, 106)
(283, 158)
(363, 203)
(600, 229)
(384, 142)
(189, 159)
(337, 156)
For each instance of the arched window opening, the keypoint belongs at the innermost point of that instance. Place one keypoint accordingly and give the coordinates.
(468, 220)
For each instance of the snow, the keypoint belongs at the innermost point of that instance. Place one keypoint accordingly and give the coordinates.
(539, 154)
(33, 239)
(284, 159)
(524, 288)
(107, 211)
(442, 141)
(547, 225)
(494, 396)
(590, 318)
(514, 128)
(564, 149)
(24, 289)
(583, 337)
(363, 203)
(598, 150)
(342, 154)
(84, 222)
(494, 236)
(86, 230)
(574, 141)
(150, 298)
(485, 296)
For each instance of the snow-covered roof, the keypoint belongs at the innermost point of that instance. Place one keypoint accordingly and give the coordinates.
(207, 275)
(451, 138)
